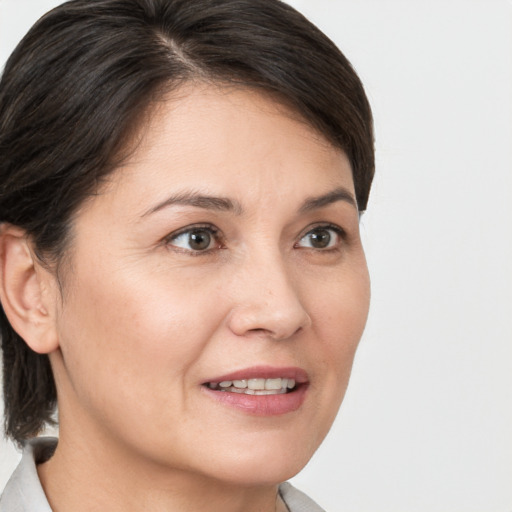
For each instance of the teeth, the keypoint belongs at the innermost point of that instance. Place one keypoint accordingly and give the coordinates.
(274, 384)
(255, 386)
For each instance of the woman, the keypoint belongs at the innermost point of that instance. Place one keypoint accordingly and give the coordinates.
(181, 263)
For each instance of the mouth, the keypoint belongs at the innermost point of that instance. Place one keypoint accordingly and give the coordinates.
(261, 391)
(257, 386)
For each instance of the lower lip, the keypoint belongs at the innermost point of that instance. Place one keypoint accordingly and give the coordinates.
(261, 405)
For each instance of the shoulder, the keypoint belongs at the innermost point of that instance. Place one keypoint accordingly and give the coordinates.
(297, 501)
(23, 492)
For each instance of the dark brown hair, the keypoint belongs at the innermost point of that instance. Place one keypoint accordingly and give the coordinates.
(77, 84)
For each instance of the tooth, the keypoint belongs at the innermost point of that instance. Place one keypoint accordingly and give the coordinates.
(213, 385)
(242, 384)
(225, 384)
(249, 392)
(284, 383)
(273, 384)
(256, 383)
(236, 390)
(291, 383)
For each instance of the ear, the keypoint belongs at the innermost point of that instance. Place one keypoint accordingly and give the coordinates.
(27, 291)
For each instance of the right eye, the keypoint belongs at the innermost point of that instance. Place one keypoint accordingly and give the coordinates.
(195, 239)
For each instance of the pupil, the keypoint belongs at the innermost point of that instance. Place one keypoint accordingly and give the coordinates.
(320, 239)
(199, 240)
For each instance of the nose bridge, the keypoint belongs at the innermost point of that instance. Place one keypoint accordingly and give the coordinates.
(266, 298)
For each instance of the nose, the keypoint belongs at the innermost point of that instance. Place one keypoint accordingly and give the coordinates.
(267, 301)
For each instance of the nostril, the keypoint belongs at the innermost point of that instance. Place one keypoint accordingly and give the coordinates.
(264, 332)
(276, 334)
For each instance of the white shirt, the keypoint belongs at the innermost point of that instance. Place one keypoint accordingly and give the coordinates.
(24, 493)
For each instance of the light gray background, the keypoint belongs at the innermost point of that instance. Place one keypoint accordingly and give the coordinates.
(427, 423)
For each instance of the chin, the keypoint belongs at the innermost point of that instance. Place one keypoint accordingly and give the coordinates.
(259, 472)
(263, 462)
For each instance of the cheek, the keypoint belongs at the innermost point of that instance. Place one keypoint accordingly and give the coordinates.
(339, 318)
(340, 309)
(127, 336)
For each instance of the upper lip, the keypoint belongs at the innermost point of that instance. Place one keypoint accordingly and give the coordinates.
(264, 372)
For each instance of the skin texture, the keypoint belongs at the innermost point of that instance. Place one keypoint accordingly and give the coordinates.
(144, 320)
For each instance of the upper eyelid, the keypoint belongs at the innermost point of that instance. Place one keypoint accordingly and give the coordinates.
(324, 225)
(209, 227)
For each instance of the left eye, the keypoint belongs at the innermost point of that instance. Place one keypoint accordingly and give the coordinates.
(322, 237)
(195, 239)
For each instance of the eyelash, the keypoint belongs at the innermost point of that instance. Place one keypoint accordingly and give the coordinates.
(340, 233)
(209, 228)
(215, 234)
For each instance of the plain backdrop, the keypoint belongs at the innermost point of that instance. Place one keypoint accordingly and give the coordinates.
(426, 425)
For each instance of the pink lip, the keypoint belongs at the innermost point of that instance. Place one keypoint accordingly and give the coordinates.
(262, 405)
(265, 372)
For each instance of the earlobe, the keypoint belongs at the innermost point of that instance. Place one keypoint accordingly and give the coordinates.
(26, 292)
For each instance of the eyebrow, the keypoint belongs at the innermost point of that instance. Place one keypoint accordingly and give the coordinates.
(225, 204)
(338, 194)
(197, 200)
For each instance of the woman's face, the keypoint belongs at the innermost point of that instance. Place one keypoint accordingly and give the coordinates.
(224, 257)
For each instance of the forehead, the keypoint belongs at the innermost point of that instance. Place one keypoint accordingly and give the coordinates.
(213, 121)
(227, 141)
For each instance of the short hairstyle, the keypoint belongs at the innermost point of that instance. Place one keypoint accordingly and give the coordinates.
(77, 85)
